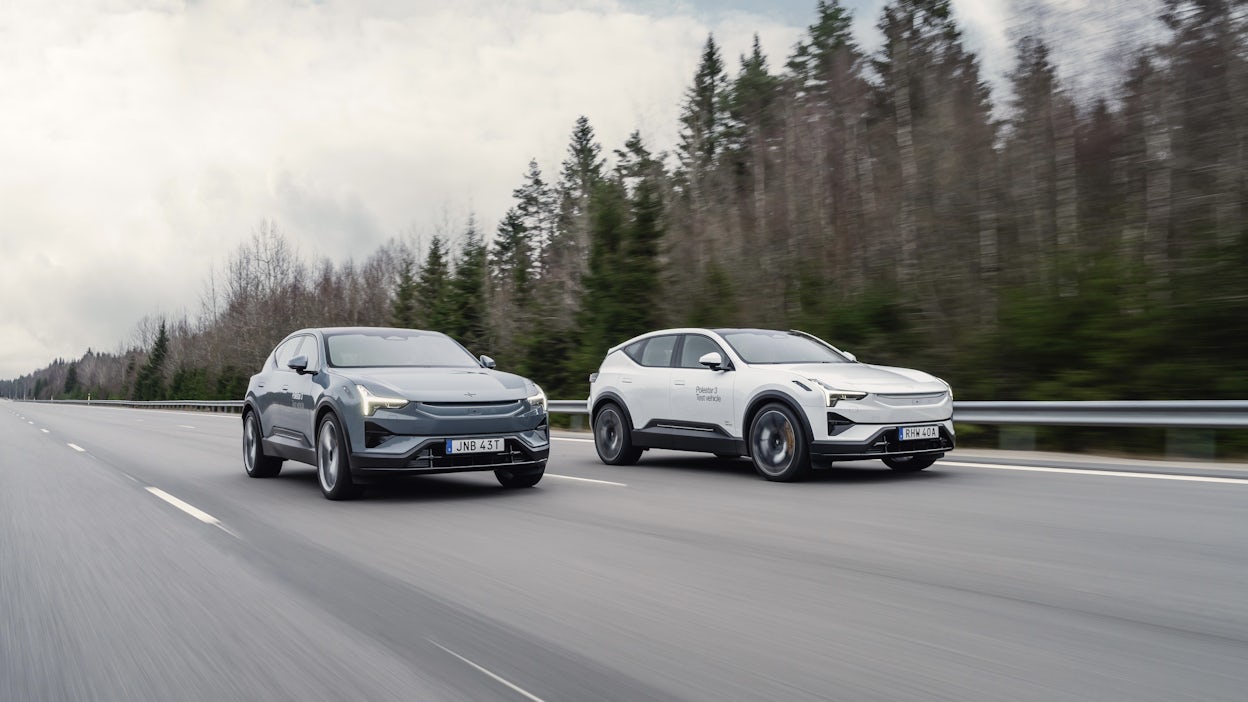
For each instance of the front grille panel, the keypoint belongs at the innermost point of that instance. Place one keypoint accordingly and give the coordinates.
(919, 399)
(500, 408)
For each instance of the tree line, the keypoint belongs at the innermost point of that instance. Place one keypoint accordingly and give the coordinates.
(1041, 244)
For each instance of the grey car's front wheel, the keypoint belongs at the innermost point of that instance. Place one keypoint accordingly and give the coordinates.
(255, 462)
(512, 479)
(612, 439)
(333, 470)
(778, 445)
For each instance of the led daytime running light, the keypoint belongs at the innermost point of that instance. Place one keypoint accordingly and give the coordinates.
(371, 403)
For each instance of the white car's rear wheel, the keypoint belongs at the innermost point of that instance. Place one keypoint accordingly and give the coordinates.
(777, 444)
(612, 439)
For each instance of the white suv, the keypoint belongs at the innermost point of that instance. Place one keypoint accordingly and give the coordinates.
(783, 398)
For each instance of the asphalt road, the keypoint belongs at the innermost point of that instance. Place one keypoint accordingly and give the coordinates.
(138, 562)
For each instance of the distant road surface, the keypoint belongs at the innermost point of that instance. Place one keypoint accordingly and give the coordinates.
(138, 562)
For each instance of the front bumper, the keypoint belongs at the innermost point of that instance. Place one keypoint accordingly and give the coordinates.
(882, 442)
(523, 452)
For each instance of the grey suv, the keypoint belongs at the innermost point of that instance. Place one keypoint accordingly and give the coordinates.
(362, 403)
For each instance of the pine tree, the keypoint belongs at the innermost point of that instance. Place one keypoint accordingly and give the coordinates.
(403, 308)
(433, 286)
(469, 292)
(149, 384)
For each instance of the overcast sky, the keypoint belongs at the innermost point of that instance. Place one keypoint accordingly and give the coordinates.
(142, 141)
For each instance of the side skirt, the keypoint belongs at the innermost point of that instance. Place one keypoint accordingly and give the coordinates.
(687, 438)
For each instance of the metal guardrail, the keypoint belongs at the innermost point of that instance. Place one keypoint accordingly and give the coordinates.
(1203, 414)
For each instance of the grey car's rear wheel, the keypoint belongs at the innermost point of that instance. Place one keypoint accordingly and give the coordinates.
(333, 470)
(909, 464)
(612, 439)
(777, 444)
(255, 462)
(511, 479)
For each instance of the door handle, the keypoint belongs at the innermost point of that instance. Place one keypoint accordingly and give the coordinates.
(678, 382)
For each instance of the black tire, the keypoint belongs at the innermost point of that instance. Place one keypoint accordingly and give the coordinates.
(509, 479)
(255, 462)
(909, 464)
(778, 445)
(333, 469)
(611, 437)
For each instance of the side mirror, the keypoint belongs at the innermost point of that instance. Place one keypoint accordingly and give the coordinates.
(298, 364)
(852, 358)
(713, 360)
(486, 362)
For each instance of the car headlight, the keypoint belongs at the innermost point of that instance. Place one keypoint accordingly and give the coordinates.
(831, 393)
(537, 401)
(371, 403)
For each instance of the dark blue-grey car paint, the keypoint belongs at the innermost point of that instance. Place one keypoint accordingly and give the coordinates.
(298, 388)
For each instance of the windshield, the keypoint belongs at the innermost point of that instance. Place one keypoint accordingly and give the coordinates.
(397, 348)
(760, 346)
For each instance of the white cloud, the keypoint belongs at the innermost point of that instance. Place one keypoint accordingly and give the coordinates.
(143, 141)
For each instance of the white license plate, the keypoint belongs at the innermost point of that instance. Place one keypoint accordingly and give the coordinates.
(931, 431)
(475, 445)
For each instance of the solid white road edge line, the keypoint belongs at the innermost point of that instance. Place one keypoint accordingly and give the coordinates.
(77, 448)
(585, 480)
(1105, 473)
(568, 438)
(504, 681)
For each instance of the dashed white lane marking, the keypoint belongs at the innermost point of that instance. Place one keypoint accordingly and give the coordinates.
(585, 480)
(77, 448)
(568, 438)
(185, 426)
(45, 431)
(30, 422)
(498, 678)
(1103, 473)
(190, 509)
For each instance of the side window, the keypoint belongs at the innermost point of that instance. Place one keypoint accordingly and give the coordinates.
(288, 350)
(697, 346)
(633, 351)
(658, 351)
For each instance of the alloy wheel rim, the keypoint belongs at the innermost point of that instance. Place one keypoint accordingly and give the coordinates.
(775, 442)
(327, 456)
(249, 442)
(609, 434)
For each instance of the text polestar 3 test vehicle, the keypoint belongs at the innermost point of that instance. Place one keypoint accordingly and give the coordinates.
(783, 398)
(362, 403)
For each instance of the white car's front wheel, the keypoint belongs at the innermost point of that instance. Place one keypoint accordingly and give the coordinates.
(777, 444)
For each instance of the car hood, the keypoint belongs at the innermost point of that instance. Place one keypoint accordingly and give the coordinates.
(869, 378)
(444, 384)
